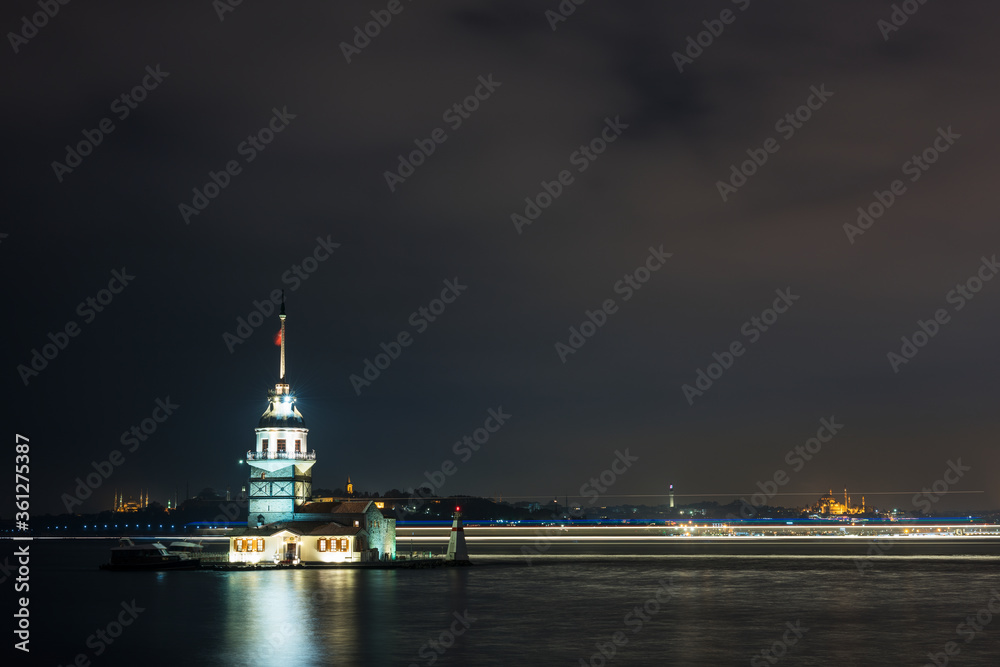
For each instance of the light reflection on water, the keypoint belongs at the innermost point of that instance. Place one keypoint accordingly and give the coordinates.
(305, 617)
(554, 612)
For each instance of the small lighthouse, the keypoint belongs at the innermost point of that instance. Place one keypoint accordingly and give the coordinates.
(457, 551)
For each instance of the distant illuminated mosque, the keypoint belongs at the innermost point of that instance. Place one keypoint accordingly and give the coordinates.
(829, 505)
(130, 505)
(285, 523)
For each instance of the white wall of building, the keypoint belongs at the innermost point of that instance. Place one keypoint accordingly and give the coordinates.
(288, 435)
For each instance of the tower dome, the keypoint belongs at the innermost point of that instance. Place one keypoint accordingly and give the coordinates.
(281, 411)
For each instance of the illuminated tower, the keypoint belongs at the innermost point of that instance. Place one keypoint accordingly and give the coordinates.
(280, 465)
(350, 487)
(671, 496)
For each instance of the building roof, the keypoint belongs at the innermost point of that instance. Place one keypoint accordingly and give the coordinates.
(298, 527)
(303, 528)
(312, 528)
(335, 529)
(335, 507)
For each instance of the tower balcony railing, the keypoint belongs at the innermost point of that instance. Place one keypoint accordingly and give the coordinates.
(273, 455)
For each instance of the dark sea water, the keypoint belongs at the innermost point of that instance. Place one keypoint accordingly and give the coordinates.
(557, 611)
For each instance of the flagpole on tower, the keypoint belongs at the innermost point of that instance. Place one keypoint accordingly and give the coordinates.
(282, 316)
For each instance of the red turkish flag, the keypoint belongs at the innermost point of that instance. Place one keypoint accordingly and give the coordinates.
(277, 338)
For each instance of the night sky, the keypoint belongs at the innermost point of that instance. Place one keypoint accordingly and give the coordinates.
(879, 97)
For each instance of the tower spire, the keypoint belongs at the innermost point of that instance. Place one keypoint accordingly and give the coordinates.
(282, 316)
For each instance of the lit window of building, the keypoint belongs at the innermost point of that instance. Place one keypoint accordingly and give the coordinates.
(249, 544)
(325, 544)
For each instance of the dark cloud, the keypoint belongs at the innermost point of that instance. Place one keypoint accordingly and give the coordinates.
(323, 176)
